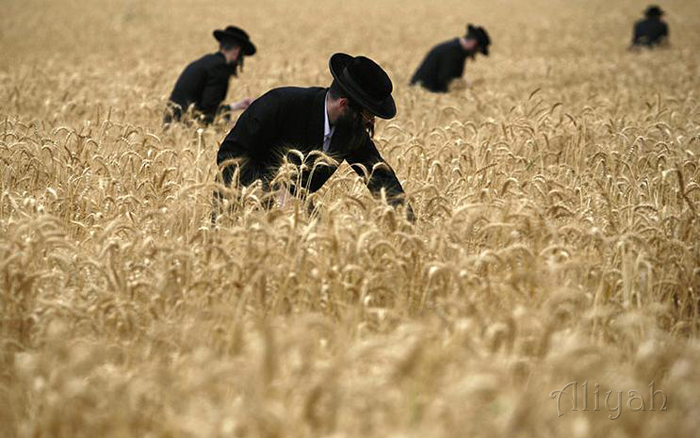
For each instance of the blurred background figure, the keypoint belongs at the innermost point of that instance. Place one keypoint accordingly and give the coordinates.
(445, 61)
(652, 30)
(204, 82)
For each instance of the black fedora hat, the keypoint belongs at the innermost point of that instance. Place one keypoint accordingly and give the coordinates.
(653, 11)
(238, 35)
(482, 38)
(365, 83)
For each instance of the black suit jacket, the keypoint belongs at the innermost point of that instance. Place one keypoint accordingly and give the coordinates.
(293, 118)
(441, 65)
(649, 32)
(203, 83)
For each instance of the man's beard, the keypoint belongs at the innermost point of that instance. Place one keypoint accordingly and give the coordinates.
(352, 130)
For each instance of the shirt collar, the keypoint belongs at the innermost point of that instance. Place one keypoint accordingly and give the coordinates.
(327, 128)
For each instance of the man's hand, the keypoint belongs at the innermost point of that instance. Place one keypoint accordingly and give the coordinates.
(242, 104)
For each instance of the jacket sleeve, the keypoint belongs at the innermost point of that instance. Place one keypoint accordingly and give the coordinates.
(214, 92)
(381, 175)
(252, 134)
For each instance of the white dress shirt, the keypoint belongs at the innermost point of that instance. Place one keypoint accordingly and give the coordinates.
(327, 128)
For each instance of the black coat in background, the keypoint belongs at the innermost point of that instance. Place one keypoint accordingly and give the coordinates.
(649, 32)
(441, 65)
(293, 118)
(203, 83)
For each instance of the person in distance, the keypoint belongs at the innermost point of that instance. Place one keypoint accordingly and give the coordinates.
(338, 121)
(651, 31)
(204, 82)
(445, 62)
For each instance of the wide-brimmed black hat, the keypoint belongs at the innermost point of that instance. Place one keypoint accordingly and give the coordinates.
(482, 38)
(365, 83)
(237, 35)
(653, 11)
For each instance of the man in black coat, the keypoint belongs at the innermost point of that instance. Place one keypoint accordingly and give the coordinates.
(445, 61)
(338, 121)
(204, 83)
(651, 31)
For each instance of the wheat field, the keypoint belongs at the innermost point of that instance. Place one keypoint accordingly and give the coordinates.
(556, 192)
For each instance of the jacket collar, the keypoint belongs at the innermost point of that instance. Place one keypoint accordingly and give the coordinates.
(317, 119)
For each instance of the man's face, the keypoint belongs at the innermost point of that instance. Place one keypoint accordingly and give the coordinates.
(236, 55)
(354, 123)
(355, 116)
(472, 46)
(235, 60)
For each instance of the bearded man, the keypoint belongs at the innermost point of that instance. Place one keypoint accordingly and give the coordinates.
(204, 82)
(338, 121)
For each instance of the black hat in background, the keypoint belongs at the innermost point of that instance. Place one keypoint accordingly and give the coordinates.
(653, 11)
(482, 38)
(238, 36)
(365, 82)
